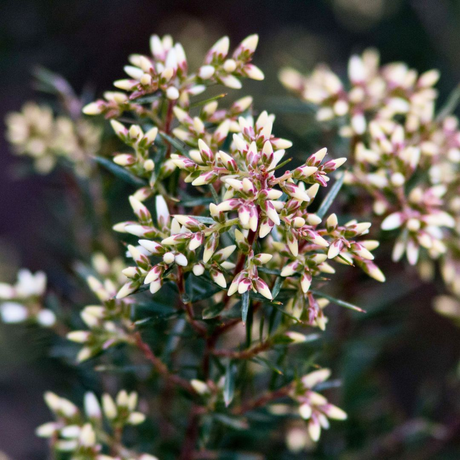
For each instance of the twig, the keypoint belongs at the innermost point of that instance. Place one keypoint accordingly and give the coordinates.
(244, 354)
(262, 400)
(161, 367)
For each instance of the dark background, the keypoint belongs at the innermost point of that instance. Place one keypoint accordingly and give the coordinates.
(88, 42)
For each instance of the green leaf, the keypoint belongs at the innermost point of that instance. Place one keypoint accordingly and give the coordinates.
(450, 104)
(192, 202)
(330, 197)
(261, 329)
(285, 313)
(231, 422)
(277, 287)
(206, 101)
(269, 271)
(155, 306)
(174, 338)
(291, 105)
(175, 143)
(206, 293)
(213, 310)
(204, 220)
(229, 385)
(51, 82)
(272, 321)
(119, 172)
(342, 303)
(214, 194)
(147, 99)
(156, 319)
(245, 306)
(123, 369)
(284, 163)
(266, 363)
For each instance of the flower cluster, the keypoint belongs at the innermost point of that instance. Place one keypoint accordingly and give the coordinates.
(166, 71)
(87, 434)
(259, 206)
(23, 300)
(378, 92)
(313, 406)
(403, 156)
(37, 133)
(108, 322)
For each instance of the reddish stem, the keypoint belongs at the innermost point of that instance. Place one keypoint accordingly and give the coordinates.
(160, 366)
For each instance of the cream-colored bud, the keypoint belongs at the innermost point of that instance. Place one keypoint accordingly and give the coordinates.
(199, 386)
(198, 269)
(229, 65)
(172, 93)
(149, 165)
(136, 418)
(119, 129)
(109, 407)
(146, 80)
(205, 72)
(168, 258)
(78, 336)
(397, 179)
(413, 225)
(87, 436)
(92, 109)
(250, 43)
(134, 72)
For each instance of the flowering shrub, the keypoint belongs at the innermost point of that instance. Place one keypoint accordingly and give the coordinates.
(226, 263)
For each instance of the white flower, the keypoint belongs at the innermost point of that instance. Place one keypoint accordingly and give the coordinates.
(13, 312)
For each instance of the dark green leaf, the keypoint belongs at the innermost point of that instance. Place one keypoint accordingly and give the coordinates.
(330, 197)
(285, 312)
(244, 306)
(450, 104)
(261, 329)
(277, 287)
(269, 271)
(192, 202)
(174, 338)
(279, 166)
(174, 142)
(231, 422)
(266, 363)
(342, 303)
(206, 101)
(119, 172)
(147, 99)
(229, 385)
(156, 319)
(214, 194)
(206, 294)
(213, 310)
(204, 220)
(291, 105)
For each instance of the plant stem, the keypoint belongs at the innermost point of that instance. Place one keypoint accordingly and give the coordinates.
(245, 354)
(188, 307)
(160, 366)
(262, 400)
(191, 434)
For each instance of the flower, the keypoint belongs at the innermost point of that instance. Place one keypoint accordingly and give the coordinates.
(313, 407)
(84, 433)
(37, 133)
(23, 300)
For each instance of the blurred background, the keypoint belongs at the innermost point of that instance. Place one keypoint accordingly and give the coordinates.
(400, 361)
